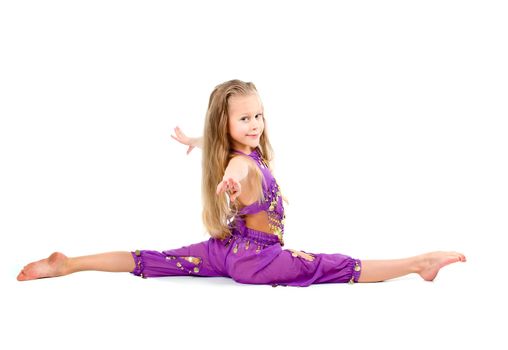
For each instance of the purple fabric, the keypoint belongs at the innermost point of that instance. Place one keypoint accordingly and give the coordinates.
(250, 256)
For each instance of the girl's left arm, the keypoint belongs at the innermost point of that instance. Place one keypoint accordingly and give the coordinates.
(236, 171)
(192, 142)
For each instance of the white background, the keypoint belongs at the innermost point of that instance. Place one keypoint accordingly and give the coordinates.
(388, 119)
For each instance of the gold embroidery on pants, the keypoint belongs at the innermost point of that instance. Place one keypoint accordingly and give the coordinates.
(192, 259)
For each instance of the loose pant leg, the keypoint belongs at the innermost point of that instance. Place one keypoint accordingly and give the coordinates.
(275, 266)
(199, 259)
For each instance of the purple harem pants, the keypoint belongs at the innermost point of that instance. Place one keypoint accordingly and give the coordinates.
(250, 257)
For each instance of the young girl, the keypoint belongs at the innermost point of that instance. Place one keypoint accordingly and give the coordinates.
(244, 214)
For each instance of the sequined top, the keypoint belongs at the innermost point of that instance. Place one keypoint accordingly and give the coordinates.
(272, 202)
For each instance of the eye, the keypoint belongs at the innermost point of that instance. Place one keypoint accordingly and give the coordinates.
(259, 116)
(244, 118)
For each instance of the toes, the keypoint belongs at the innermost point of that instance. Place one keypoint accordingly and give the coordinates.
(21, 276)
(455, 259)
(460, 257)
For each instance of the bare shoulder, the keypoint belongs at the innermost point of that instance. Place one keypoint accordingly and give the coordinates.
(241, 160)
(250, 184)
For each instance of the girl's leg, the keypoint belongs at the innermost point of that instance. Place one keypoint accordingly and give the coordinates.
(426, 265)
(57, 264)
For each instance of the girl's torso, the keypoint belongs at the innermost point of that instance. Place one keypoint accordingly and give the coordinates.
(268, 215)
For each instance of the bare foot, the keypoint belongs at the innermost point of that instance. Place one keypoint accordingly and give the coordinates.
(431, 263)
(53, 266)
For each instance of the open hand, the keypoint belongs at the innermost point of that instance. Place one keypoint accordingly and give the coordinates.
(231, 187)
(184, 139)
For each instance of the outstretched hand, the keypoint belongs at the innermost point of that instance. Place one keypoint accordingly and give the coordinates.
(231, 187)
(184, 139)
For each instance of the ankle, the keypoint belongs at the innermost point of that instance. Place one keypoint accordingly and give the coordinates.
(61, 262)
(418, 263)
(69, 266)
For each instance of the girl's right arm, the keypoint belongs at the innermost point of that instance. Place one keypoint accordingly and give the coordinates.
(192, 142)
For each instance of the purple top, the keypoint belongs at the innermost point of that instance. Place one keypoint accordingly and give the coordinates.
(272, 202)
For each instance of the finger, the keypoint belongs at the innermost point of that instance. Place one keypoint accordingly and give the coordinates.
(176, 138)
(222, 187)
(180, 132)
(308, 257)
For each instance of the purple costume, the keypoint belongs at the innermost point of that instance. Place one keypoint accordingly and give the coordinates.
(250, 256)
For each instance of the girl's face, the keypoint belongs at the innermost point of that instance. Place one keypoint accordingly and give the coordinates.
(246, 123)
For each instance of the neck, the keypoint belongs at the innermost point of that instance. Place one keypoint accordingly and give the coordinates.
(247, 150)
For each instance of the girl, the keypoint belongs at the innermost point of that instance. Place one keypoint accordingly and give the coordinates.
(244, 214)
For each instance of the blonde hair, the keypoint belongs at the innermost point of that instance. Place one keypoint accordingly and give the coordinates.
(217, 152)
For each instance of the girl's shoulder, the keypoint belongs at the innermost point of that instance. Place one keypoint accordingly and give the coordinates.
(242, 160)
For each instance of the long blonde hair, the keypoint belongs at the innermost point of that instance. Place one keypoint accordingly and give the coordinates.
(217, 151)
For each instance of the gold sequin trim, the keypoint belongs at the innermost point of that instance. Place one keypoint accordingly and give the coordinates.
(192, 259)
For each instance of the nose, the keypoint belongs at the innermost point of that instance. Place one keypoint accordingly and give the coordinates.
(255, 124)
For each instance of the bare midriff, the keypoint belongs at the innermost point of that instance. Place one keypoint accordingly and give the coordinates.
(258, 222)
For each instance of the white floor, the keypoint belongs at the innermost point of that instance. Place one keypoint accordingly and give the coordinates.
(463, 307)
